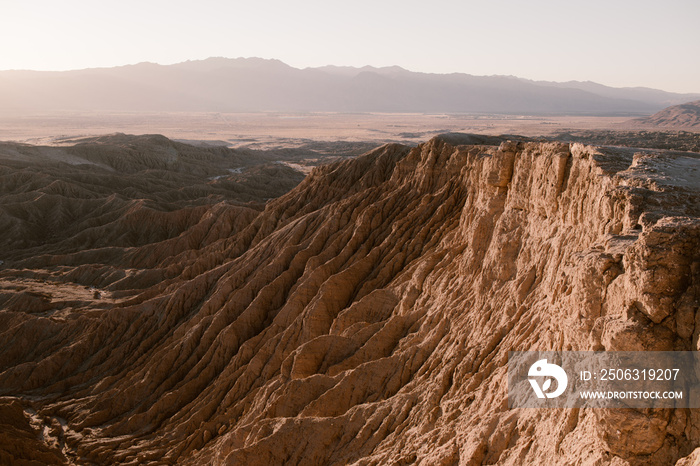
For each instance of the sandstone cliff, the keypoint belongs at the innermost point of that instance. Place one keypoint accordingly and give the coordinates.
(365, 317)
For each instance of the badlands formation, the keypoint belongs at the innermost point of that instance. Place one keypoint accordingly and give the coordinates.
(364, 317)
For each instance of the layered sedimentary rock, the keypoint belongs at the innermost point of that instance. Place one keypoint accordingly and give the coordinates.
(365, 317)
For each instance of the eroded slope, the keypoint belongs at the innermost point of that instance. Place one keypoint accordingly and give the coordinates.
(366, 316)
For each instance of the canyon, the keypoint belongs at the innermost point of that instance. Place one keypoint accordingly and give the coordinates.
(160, 303)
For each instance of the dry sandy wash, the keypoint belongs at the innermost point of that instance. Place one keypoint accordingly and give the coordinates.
(364, 317)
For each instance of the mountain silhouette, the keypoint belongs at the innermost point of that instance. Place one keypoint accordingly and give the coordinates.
(254, 85)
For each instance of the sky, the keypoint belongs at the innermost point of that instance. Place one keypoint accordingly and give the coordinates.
(620, 43)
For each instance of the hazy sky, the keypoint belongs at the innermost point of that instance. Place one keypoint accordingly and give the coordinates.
(614, 42)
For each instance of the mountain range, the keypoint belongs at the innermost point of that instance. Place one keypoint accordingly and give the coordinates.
(259, 85)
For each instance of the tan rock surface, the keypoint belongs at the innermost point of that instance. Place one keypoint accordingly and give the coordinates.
(366, 316)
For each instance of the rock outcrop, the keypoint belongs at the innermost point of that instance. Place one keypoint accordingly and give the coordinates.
(365, 317)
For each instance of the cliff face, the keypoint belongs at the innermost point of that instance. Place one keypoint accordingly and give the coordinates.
(366, 317)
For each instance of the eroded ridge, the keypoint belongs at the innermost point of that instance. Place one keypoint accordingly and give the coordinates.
(366, 317)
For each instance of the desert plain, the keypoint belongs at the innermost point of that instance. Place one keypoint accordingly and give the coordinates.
(272, 129)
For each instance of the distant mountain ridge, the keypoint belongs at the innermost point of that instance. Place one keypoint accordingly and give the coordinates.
(254, 84)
